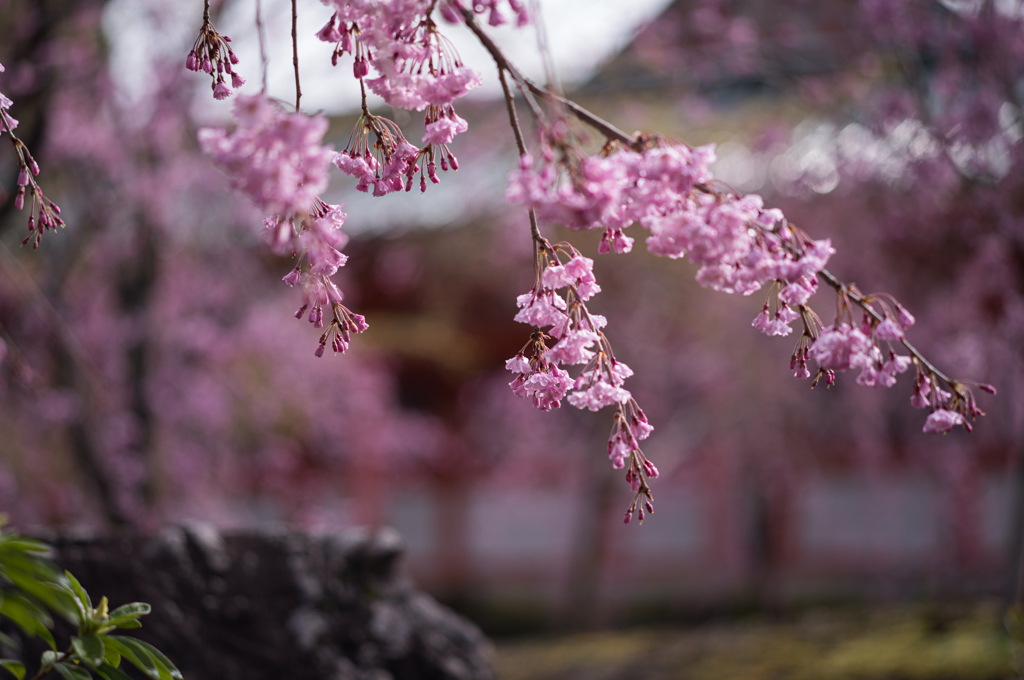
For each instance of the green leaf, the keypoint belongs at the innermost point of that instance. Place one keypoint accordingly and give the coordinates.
(12, 547)
(111, 656)
(133, 610)
(130, 649)
(109, 672)
(22, 543)
(160, 658)
(28, 616)
(127, 616)
(70, 671)
(82, 596)
(16, 667)
(22, 557)
(89, 649)
(50, 593)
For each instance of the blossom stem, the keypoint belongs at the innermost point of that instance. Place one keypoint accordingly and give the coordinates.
(362, 92)
(261, 34)
(502, 61)
(610, 132)
(295, 53)
(513, 119)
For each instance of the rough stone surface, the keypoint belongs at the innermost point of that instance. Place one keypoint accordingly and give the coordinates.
(280, 604)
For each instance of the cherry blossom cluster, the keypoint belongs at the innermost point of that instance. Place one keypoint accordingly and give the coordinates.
(212, 54)
(738, 243)
(316, 239)
(274, 157)
(869, 347)
(741, 247)
(416, 67)
(654, 187)
(279, 161)
(379, 156)
(44, 214)
(556, 308)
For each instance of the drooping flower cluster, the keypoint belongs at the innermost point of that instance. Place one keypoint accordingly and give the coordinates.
(417, 69)
(612, 191)
(415, 65)
(843, 346)
(44, 214)
(278, 159)
(212, 54)
(379, 156)
(316, 240)
(578, 338)
(740, 246)
(738, 243)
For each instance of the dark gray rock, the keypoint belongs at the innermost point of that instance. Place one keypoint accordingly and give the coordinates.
(280, 604)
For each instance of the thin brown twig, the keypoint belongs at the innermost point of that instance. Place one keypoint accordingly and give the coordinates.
(502, 61)
(295, 53)
(362, 92)
(528, 86)
(611, 132)
(550, 75)
(513, 119)
(261, 34)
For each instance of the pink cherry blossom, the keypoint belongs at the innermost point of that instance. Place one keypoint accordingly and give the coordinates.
(888, 330)
(444, 129)
(839, 347)
(573, 348)
(598, 395)
(577, 272)
(941, 421)
(614, 240)
(541, 308)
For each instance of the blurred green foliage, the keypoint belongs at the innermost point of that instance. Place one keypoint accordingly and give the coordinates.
(33, 590)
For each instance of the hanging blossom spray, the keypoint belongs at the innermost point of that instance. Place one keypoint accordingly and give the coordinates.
(667, 188)
(44, 214)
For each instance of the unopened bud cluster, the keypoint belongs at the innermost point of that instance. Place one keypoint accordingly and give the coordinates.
(212, 54)
(379, 156)
(44, 214)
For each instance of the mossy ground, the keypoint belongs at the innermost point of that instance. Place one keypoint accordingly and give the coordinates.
(911, 642)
